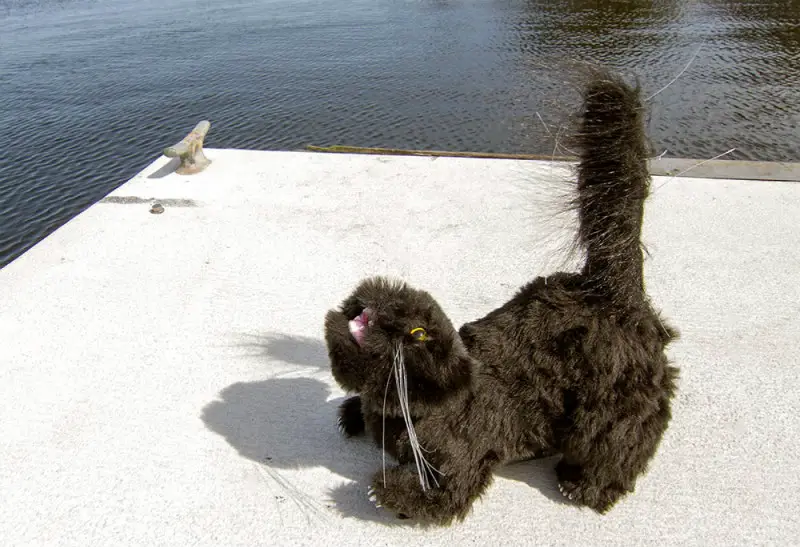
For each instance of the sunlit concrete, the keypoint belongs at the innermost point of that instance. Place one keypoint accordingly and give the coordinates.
(163, 379)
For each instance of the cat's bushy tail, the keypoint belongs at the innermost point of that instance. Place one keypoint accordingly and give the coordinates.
(613, 183)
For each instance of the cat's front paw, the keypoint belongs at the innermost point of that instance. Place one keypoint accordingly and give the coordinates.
(402, 495)
(373, 497)
(347, 360)
(569, 490)
(351, 421)
(337, 333)
(386, 498)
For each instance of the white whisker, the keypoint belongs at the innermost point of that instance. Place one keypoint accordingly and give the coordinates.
(401, 381)
(676, 175)
(544, 124)
(673, 80)
(304, 502)
(555, 148)
(383, 430)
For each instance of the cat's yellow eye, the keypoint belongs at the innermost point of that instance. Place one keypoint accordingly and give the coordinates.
(419, 334)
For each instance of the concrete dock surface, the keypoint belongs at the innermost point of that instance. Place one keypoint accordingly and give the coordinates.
(164, 381)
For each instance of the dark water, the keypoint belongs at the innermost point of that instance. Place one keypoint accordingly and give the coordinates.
(92, 91)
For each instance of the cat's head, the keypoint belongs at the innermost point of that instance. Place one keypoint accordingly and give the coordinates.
(393, 323)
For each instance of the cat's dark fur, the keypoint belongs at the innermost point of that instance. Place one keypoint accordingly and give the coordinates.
(574, 364)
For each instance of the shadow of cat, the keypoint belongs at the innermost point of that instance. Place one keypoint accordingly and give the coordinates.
(297, 350)
(289, 423)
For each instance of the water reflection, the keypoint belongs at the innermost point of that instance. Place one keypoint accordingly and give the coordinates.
(740, 88)
(108, 84)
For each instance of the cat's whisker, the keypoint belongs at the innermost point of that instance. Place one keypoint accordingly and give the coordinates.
(419, 447)
(424, 467)
(673, 80)
(678, 174)
(402, 393)
(383, 427)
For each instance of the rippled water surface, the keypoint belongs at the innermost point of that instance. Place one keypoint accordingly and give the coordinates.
(92, 91)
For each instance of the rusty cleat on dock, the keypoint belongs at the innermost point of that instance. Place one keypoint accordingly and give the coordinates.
(190, 150)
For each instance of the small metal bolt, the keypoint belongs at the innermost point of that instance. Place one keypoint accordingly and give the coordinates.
(157, 209)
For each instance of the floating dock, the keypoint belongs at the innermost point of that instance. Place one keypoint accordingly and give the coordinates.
(164, 381)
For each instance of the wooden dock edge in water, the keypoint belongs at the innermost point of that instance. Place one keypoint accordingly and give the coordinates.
(666, 167)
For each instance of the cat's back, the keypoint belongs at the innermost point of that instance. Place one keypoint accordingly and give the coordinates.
(527, 338)
(553, 333)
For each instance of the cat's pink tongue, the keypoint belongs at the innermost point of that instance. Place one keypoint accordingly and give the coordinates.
(358, 326)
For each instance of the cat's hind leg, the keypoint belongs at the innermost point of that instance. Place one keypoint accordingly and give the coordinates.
(607, 451)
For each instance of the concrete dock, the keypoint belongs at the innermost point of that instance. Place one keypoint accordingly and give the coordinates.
(164, 381)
